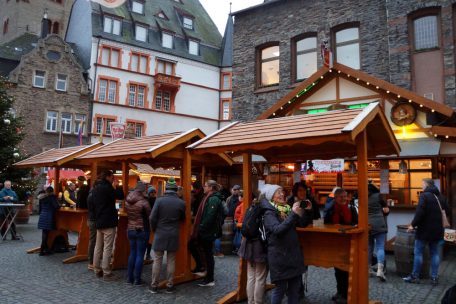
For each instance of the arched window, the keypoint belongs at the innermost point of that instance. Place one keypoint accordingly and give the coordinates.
(347, 48)
(304, 56)
(425, 33)
(55, 28)
(268, 65)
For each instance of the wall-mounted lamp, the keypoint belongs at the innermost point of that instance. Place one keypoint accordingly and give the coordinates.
(352, 167)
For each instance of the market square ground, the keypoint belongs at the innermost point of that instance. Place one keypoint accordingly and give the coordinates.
(29, 278)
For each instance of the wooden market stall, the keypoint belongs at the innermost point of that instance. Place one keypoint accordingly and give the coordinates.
(67, 219)
(341, 133)
(165, 150)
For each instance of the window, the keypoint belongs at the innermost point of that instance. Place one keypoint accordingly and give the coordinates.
(347, 47)
(51, 121)
(137, 7)
(165, 67)
(99, 125)
(306, 57)
(193, 47)
(167, 40)
(61, 82)
(188, 23)
(112, 25)
(163, 101)
(79, 122)
(426, 33)
(5, 26)
(108, 126)
(39, 79)
(226, 109)
(110, 56)
(161, 15)
(226, 81)
(139, 63)
(136, 95)
(141, 33)
(66, 122)
(55, 28)
(107, 90)
(269, 66)
(139, 130)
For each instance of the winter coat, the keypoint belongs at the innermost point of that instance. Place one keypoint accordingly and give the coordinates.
(254, 251)
(7, 192)
(377, 219)
(91, 206)
(48, 205)
(103, 196)
(285, 257)
(168, 212)
(428, 217)
(329, 212)
(208, 229)
(138, 211)
(231, 203)
(81, 200)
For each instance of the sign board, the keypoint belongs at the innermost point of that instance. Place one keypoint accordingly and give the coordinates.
(328, 166)
(117, 130)
(110, 3)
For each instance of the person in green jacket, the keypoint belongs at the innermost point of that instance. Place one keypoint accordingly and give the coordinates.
(206, 228)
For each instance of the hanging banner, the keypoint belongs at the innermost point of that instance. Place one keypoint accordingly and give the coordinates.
(328, 166)
(117, 130)
(110, 3)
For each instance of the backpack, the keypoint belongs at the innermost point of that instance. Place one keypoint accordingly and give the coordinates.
(252, 225)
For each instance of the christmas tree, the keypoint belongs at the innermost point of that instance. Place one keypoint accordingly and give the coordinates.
(23, 180)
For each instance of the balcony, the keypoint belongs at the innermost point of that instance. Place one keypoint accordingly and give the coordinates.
(165, 81)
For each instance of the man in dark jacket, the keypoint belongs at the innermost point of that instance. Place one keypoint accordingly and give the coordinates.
(206, 228)
(168, 212)
(429, 230)
(151, 198)
(233, 200)
(82, 194)
(103, 196)
(338, 211)
(91, 223)
(48, 205)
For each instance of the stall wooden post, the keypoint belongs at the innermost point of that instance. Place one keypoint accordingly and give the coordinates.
(203, 174)
(57, 181)
(93, 174)
(359, 282)
(125, 175)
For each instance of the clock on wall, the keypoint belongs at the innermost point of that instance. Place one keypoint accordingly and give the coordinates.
(403, 114)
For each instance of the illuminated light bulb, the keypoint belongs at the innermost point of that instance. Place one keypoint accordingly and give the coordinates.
(367, 83)
(305, 90)
(348, 75)
(321, 77)
(433, 110)
(289, 101)
(377, 87)
(338, 72)
(387, 92)
(446, 136)
(297, 96)
(330, 71)
(357, 79)
(421, 106)
(410, 100)
(273, 114)
(313, 83)
(398, 96)
(435, 135)
(281, 108)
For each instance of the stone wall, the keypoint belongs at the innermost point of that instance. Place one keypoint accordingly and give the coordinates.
(32, 103)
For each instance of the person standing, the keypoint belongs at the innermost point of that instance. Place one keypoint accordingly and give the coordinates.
(168, 212)
(151, 197)
(8, 195)
(338, 211)
(83, 193)
(69, 195)
(233, 200)
(206, 228)
(91, 223)
(377, 209)
(428, 225)
(138, 211)
(300, 193)
(106, 218)
(48, 205)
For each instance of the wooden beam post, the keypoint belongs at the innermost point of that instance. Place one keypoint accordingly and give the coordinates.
(57, 181)
(203, 174)
(93, 174)
(360, 292)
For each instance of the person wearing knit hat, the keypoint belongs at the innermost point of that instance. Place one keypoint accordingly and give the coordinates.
(285, 258)
(171, 184)
(151, 197)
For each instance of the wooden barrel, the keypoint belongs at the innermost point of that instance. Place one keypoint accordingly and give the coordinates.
(227, 236)
(23, 215)
(403, 253)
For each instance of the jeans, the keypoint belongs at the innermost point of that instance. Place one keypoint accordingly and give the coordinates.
(217, 246)
(170, 267)
(377, 241)
(342, 282)
(138, 241)
(103, 250)
(92, 239)
(290, 287)
(206, 247)
(418, 259)
(256, 282)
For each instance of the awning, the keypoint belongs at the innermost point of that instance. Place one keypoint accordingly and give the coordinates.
(66, 174)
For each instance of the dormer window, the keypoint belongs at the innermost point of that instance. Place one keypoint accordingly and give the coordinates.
(167, 40)
(138, 7)
(188, 23)
(140, 33)
(161, 15)
(193, 47)
(111, 25)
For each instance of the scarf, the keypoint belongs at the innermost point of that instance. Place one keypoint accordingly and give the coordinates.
(342, 214)
(284, 210)
(199, 216)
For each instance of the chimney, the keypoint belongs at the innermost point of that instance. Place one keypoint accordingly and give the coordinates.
(45, 25)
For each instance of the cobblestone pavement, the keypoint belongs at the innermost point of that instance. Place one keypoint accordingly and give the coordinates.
(29, 278)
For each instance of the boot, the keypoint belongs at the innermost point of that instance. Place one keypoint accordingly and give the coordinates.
(380, 273)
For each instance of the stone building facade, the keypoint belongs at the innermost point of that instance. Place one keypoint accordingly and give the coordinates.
(385, 41)
(24, 16)
(51, 95)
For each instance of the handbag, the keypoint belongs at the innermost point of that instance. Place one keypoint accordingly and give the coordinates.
(445, 222)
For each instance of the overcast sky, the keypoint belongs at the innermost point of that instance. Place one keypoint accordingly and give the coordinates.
(219, 9)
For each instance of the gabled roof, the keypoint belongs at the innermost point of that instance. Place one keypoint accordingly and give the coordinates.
(56, 157)
(312, 83)
(326, 135)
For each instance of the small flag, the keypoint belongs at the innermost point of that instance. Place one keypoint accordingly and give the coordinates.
(101, 132)
(61, 137)
(81, 124)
